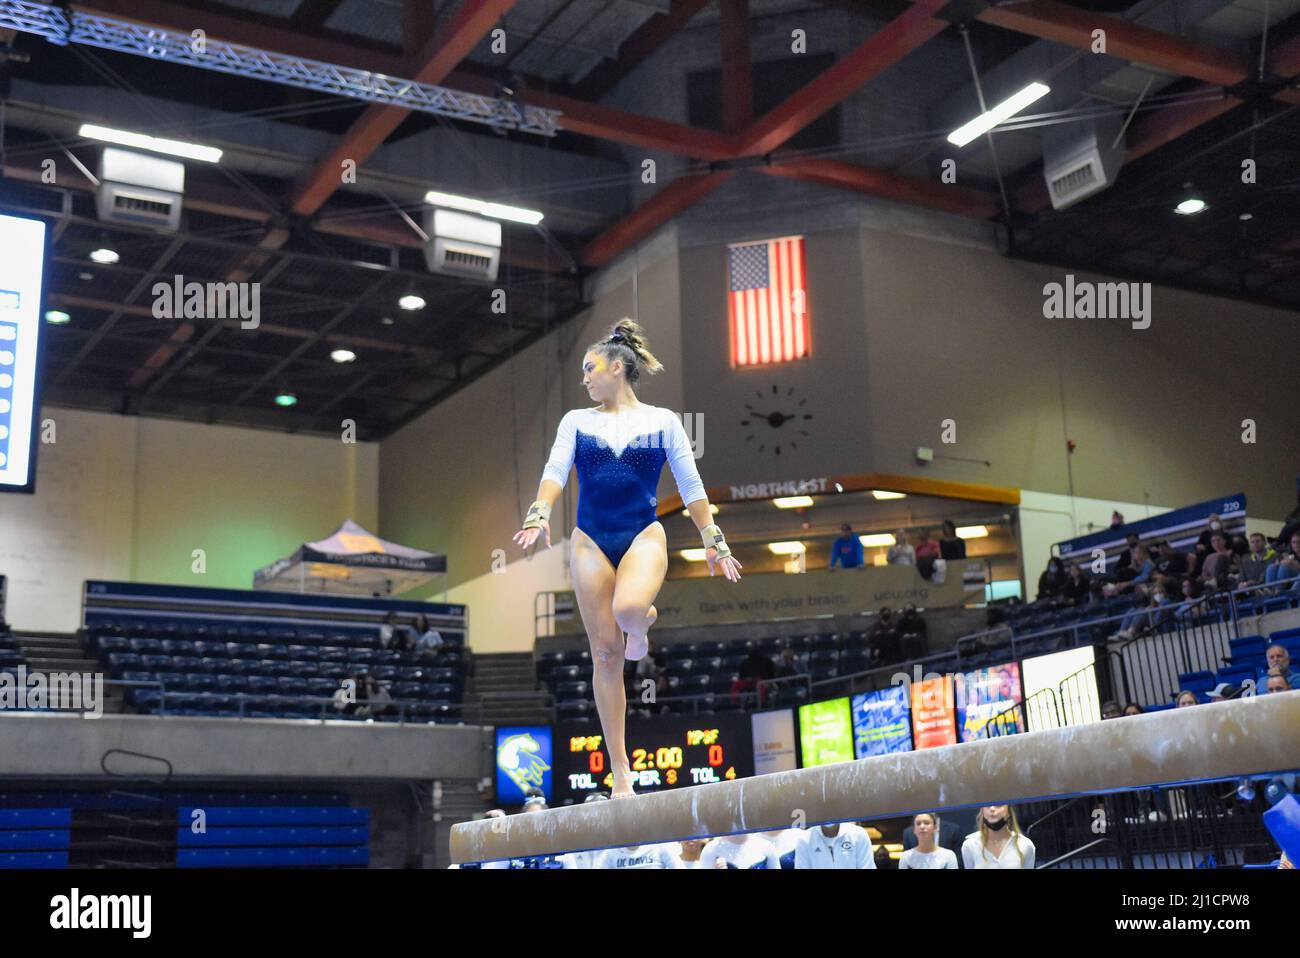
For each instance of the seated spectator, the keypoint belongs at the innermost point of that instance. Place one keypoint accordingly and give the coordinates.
(1186, 699)
(913, 633)
(638, 857)
(949, 836)
(951, 546)
(1279, 658)
(847, 549)
(1144, 567)
(1132, 709)
(1170, 562)
(928, 853)
(1077, 586)
(1277, 681)
(901, 553)
(787, 666)
(1216, 568)
(691, 848)
(1240, 548)
(347, 694)
(388, 631)
(756, 668)
(378, 700)
(1116, 519)
(1254, 564)
(428, 640)
(927, 553)
(1287, 565)
(998, 843)
(1203, 541)
(883, 638)
(740, 851)
(1125, 567)
(840, 846)
(1146, 617)
(1051, 584)
(1110, 710)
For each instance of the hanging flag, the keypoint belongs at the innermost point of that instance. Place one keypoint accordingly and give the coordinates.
(767, 302)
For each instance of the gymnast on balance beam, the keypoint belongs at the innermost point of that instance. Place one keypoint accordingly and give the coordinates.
(619, 551)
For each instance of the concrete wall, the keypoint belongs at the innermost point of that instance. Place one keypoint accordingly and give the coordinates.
(131, 498)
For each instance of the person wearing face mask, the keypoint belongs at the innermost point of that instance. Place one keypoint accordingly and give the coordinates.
(928, 853)
(999, 842)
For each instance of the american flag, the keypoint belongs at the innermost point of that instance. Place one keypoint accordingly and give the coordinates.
(767, 302)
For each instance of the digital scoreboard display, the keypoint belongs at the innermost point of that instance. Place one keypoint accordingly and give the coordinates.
(22, 265)
(667, 751)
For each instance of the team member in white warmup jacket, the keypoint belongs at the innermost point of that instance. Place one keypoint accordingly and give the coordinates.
(928, 853)
(836, 846)
(740, 851)
(639, 856)
(998, 843)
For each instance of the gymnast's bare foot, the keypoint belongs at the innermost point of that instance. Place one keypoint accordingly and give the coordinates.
(638, 645)
(622, 784)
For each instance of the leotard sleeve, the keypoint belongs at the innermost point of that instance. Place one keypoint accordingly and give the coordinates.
(681, 460)
(561, 460)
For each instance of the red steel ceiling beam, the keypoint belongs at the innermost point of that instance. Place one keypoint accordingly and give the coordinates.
(440, 56)
(737, 71)
(895, 40)
(650, 215)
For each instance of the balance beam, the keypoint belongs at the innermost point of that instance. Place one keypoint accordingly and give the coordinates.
(1221, 740)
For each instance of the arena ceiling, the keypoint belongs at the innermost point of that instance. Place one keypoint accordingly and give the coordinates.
(1202, 84)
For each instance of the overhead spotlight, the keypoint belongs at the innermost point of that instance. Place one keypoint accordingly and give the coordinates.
(411, 301)
(999, 114)
(155, 144)
(286, 399)
(786, 548)
(387, 321)
(972, 532)
(793, 502)
(104, 256)
(1246, 216)
(886, 494)
(877, 540)
(1191, 206)
(343, 355)
(57, 317)
(469, 204)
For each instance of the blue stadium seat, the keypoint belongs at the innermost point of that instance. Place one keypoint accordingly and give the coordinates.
(568, 691)
(740, 647)
(710, 649)
(710, 664)
(679, 667)
(682, 650)
(1201, 681)
(732, 663)
(577, 709)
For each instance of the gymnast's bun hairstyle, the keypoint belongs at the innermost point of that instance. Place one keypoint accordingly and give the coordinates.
(626, 341)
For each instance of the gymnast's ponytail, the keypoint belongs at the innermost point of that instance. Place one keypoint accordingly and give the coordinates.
(626, 341)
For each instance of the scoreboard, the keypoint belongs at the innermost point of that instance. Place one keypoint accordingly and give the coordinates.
(666, 751)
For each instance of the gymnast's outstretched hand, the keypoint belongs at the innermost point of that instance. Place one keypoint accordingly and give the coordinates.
(526, 537)
(730, 565)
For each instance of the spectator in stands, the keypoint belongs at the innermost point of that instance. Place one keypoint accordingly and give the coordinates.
(998, 843)
(840, 846)
(951, 546)
(883, 640)
(1116, 519)
(1146, 616)
(1110, 710)
(1277, 681)
(1287, 565)
(1170, 561)
(928, 853)
(787, 665)
(1125, 567)
(1145, 569)
(1132, 709)
(388, 631)
(534, 800)
(1239, 546)
(1216, 568)
(1051, 584)
(428, 640)
(639, 857)
(377, 698)
(901, 552)
(1186, 699)
(1254, 565)
(1078, 587)
(690, 852)
(913, 633)
(847, 549)
(740, 851)
(756, 668)
(927, 553)
(1279, 658)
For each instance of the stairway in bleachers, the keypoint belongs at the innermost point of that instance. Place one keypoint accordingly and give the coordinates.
(65, 652)
(503, 691)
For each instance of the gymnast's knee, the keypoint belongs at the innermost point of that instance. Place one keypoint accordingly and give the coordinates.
(607, 656)
(629, 614)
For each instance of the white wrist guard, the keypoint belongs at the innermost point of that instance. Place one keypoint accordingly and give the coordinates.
(538, 512)
(713, 539)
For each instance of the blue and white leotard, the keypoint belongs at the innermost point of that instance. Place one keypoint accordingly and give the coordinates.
(619, 458)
